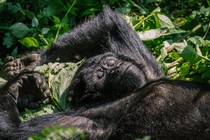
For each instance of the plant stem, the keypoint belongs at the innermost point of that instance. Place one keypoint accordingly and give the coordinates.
(60, 25)
(69, 9)
(206, 31)
(140, 22)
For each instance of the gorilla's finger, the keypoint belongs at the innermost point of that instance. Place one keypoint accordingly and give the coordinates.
(10, 74)
(9, 64)
(10, 68)
(8, 58)
(46, 93)
(25, 79)
(46, 101)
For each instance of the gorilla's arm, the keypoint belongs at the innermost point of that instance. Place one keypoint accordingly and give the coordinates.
(97, 123)
(9, 115)
(168, 110)
(24, 91)
(163, 109)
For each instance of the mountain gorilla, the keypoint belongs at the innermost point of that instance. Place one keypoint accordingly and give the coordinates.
(119, 92)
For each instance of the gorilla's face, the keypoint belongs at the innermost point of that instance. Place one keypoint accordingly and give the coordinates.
(103, 78)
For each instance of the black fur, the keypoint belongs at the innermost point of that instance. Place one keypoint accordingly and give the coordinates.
(119, 92)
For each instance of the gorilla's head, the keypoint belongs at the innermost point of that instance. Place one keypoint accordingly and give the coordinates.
(104, 78)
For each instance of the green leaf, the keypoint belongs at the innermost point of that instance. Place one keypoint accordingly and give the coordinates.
(152, 34)
(59, 133)
(185, 68)
(8, 40)
(29, 42)
(157, 10)
(14, 8)
(165, 21)
(52, 9)
(197, 40)
(2, 5)
(89, 11)
(19, 30)
(15, 52)
(45, 30)
(35, 22)
(206, 75)
(29, 114)
(188, 53)
(56, 20)
(124, 10)
(156, 33)
(59, 77)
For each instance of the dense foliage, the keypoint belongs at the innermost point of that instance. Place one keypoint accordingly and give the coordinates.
(177, 32)
(59, 133)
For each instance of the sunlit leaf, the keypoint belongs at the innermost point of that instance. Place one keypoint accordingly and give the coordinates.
(185, 68)
(56, 20)
(188, 53)
(29, 42)
(165, 21)
(197, 40)
(156, 33)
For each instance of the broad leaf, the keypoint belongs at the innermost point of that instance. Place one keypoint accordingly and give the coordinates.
(185, 68)
(29, 42)
(206, 75)
(45, 30)
(8, 40)
(59, 77)
(19, 30)
(165, 21)
(35, 22)
(156, 33)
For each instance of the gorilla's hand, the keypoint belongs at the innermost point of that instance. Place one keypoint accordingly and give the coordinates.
(13, 67)
(28, 90)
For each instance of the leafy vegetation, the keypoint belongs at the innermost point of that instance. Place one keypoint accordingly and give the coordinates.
(59, 133)
(59, 76)
(177, 32)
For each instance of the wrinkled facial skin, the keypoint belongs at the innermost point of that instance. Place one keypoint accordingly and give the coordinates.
(104, 78)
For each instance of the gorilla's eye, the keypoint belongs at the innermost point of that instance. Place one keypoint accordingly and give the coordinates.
(100, 73)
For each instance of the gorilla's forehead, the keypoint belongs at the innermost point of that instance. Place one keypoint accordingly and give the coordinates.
(98, 59)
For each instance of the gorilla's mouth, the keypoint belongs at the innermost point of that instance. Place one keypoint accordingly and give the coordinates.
(129, 80)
